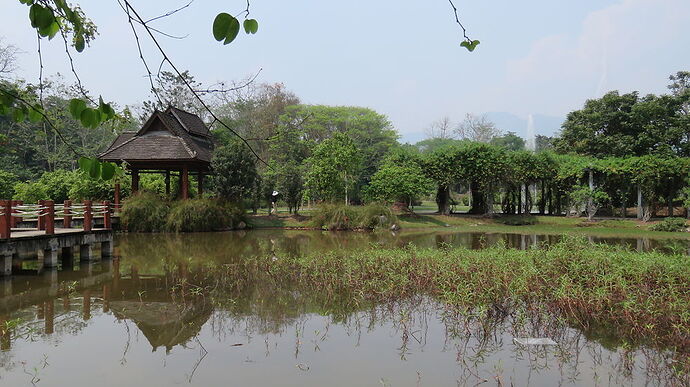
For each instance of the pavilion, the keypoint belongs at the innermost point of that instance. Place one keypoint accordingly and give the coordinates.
(173, 141)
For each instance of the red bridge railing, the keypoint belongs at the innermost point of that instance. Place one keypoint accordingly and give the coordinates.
(45, 212)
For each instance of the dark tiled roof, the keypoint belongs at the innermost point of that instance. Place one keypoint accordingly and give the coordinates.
(177, 143)
(190, 122)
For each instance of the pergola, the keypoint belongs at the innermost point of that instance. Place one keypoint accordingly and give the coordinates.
(173, 141)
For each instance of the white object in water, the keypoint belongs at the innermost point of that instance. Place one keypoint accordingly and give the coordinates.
(534, 341)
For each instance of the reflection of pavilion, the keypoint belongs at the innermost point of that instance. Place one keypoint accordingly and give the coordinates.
(165, 324)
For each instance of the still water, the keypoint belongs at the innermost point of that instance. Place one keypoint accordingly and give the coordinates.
(161, 314)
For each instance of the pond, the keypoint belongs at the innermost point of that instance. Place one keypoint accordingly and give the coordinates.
(164, 313)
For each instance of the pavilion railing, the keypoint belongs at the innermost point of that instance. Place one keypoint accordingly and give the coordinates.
(45, 212)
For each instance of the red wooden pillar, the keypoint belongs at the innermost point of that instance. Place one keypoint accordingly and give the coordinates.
(88, 216)
(135, 180)
(200, 188)
(41, 222)
(67, 220)
(185, 183)
(117, 196)
(106, 215)
(14, 220)
(49, 216)
(5, 216)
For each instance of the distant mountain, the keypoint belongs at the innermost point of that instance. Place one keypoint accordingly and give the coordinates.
(544, 125)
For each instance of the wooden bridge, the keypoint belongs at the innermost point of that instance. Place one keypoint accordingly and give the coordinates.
(48, 241)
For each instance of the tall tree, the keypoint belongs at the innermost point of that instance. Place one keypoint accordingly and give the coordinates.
(334, 168)
(477, 128)
(509, 141)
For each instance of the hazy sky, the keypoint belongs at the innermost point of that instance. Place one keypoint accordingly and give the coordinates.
(400, 58)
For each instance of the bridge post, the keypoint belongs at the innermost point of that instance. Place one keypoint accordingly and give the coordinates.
(106, 249)
(88, 215)
(6, 255)
(14, 220)
(50, 257)
(106, 215)
(50, 217)
(5, 219)
(41, 221)
(67, 220)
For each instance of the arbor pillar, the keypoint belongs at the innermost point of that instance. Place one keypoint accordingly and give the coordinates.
(167, 183)
(135, 180)
(116, 206)
(185, 183)
(200, 188)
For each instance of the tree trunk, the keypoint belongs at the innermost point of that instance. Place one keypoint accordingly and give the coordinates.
(519, 200)
(640, 212)
(670, 205)
(443, 199)
(542, 203)
(478, 200)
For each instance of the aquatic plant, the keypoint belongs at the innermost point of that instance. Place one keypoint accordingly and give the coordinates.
(635, 294)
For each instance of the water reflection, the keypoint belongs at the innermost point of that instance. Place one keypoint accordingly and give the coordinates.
(169, 311)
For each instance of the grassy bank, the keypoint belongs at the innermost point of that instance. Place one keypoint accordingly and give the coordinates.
(637, 295)
(552, 225)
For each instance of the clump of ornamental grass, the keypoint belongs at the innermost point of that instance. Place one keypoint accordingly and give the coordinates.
(198, 215)
(636, 294)
(144, 212)
(341, 217)
(147, 212)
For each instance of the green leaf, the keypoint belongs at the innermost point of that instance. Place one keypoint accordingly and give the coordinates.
(88, 118)
(251, 26)
(35, 114)
(85, 164)
(41, 17)
(221, 25)
(107, 171)
(470, 45)
(18, 115)
(76, 107)
(232, 31)
(95, 170)
(79, 43)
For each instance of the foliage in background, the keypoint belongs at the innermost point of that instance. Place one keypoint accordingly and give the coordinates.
(234, 171)
(400, 179)
(670, 225)
(7, 183)
(333, 169)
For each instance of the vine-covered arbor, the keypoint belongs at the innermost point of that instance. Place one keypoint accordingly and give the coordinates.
(170, 142)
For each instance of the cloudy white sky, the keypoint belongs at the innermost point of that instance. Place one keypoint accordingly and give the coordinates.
(399, 57)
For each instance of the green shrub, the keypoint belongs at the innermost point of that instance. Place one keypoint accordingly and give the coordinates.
(197, 215)
(145, 212)
(519, 220)
(670, 225)
(342, 217)
(30, 192)
(7, 182)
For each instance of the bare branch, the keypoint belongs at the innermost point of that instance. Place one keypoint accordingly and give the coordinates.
(8, 58)
(222, 89)
(169, 13)
(129, 8)
(457, 20)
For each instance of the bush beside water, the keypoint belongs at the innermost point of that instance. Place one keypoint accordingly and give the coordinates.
(670, 225)
(517, 220)
(147, 212)
(342, 217)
